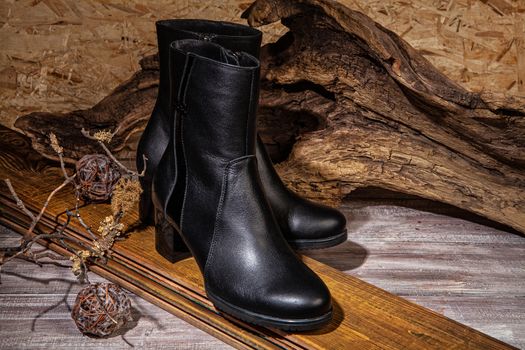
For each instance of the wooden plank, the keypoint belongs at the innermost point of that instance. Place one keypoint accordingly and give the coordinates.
(439, 257)
(365, 316)
(434, 255)
(168, 299)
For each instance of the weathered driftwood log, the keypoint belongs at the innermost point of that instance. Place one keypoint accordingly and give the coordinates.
(383, 116)
(389, 118)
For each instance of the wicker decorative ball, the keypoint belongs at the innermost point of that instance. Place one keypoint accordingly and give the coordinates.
(101, 309)
(96, 177)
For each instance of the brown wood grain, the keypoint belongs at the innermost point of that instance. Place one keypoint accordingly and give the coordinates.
(389, 118)
(365, 316)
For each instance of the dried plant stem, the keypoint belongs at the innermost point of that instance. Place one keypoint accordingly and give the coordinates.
(100, 246)
(35, 257)
(46, 204)
(81, 221)
(18, 201)
(83, 276)
(21, 205)
(112, 157)
(27, 244)
(63, 166)
(104, 308)
(25, 247)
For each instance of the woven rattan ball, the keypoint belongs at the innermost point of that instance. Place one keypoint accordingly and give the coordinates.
(101, 309)
(96, 177)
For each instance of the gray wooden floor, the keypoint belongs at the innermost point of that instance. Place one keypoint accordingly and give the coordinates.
(437, 256)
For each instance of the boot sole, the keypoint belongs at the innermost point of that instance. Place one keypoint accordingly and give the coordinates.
(321, 243)
(162, 235)
(292, 325)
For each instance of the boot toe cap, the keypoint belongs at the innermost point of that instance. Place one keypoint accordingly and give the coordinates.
(300, 302)
(315, 221)
(293, 295)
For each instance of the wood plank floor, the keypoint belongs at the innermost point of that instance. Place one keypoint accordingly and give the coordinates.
(437, 256)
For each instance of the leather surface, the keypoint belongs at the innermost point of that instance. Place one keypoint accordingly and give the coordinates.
(248, 256)
(219, 204)
(155, 137)
(299, 219)
(218, 126)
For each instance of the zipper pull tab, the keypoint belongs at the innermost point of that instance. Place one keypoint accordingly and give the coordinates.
(207, 36)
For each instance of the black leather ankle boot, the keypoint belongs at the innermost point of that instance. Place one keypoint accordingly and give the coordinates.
(208, 189)
(154, 139)
(306, 225)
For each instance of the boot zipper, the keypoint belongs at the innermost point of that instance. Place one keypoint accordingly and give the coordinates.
(207, 36)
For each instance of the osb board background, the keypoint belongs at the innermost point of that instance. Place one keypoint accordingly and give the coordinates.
(60, 55)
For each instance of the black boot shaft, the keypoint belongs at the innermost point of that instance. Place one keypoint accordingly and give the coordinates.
(207, 185)
(305, 224)
(214, 100)
(218, 90)
(236, 37)
(232, 36)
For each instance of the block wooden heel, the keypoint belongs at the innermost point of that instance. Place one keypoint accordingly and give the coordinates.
(146, 212)
(167, 238)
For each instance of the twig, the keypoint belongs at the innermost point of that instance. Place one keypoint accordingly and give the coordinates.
(76, 241)
(99, 248)
(104, 308)
(81, 221)
(46, 204)
(63, 165)
(26, 245)
(83, 277)
(35, 257)
(18, 201)
(110, 155)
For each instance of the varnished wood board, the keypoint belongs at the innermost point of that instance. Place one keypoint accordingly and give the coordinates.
(365, 316)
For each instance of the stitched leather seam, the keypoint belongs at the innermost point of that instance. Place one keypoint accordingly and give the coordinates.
(224, 186)
(184, 94)
(248, 114)
(174, 153)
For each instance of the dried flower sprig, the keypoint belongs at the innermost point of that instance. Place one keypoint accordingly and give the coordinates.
(60, 151)
(54, 144)
(126, 195)
(103, 137)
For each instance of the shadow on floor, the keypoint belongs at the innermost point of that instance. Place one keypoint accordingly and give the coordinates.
(370, 196)
(344, 257)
